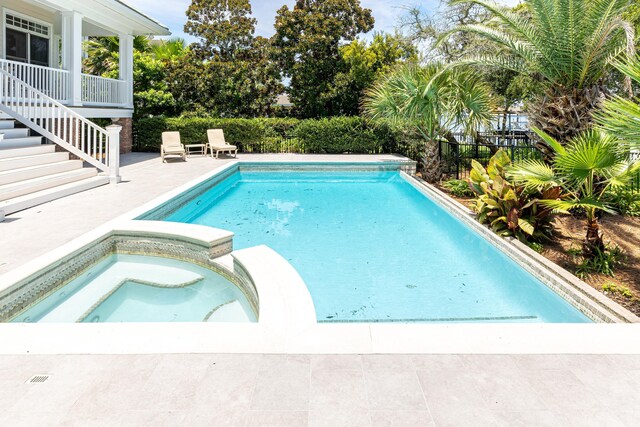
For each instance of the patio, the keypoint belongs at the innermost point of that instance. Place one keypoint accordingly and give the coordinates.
(268, 390)
(297, 390)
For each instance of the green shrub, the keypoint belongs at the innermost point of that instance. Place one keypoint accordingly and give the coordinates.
(603, 262)
(339, 135)
(612, 288)
(509, 209)
(458, 187)
(193, 130)
(280, 127)
(624, 201)
(282, 135)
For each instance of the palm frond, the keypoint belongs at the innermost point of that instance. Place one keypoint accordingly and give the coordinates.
(568, 42)
(564, 206)
(533, 174)
(549, 140)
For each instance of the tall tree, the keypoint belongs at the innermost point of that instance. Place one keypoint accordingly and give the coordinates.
(307, 48)
(225, 28)
(432, 31)
(228, 72)
(363, 64)
(567, 45)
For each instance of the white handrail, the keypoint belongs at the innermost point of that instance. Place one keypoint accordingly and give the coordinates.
(52, 82)
(103, 91)
(55, 83)
(60, 124)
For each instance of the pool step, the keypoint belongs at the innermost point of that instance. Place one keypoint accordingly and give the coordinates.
(231, 311)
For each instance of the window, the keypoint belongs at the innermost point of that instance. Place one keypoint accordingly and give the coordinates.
(16, 46)
(39, 51)
(26, 41)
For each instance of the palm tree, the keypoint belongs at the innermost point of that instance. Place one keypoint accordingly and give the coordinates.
(102, 53)
(567, 45)
(168, 50)
(621, 116)
(432, 100)
(591, 164)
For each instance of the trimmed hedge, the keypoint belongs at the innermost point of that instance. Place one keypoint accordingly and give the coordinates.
(325, 136)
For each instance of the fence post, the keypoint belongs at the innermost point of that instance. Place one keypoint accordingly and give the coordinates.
(113, 132)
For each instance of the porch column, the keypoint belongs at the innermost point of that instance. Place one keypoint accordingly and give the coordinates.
(72, 54)
(126, 67)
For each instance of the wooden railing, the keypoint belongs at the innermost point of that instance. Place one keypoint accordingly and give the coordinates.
(45, 115)
(102, 91)
(52, 82)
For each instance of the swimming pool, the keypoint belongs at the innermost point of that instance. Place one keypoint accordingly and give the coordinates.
(135, 288)
(372, 248)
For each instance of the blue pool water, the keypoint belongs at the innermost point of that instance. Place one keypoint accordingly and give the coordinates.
(370, 247)
(133, 288)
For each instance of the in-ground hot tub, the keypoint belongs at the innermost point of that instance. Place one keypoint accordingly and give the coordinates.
(145, 273)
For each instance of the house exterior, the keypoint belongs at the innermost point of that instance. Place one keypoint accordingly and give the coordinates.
(41, 41)
(44, 94)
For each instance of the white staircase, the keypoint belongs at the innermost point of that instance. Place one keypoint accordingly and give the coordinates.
(32, 173)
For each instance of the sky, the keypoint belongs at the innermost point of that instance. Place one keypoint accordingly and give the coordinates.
(171, 13)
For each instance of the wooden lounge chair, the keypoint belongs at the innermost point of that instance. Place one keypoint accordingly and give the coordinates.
(171, 146)
(218, 144)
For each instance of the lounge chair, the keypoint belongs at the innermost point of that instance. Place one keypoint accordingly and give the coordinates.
(218, 144)
(171, 146)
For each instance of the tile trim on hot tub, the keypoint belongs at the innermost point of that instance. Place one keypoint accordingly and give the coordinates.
(175, 241)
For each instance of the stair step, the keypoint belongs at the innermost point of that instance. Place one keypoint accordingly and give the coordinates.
(56, 192)
(17, 189)
(33, 160)
(14, 133)
(8, 153)
(7, 124)
(29, 141)
(27, 173)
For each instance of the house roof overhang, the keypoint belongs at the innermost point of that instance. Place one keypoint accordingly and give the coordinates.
(115, 16)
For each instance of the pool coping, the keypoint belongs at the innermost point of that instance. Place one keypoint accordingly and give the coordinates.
(579, 294)
(306, 336)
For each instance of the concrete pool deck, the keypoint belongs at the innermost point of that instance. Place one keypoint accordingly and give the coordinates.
(301, 390)
(379, 389)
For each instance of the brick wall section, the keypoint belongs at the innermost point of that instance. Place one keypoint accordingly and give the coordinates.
(69, 124)
(126, 134)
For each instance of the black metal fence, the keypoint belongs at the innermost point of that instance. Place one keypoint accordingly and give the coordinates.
(456, 158)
